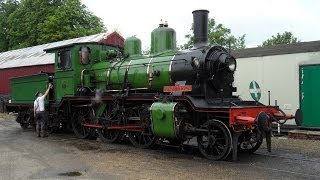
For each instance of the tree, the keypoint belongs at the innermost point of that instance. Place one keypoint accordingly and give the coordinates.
(284, 38)
(42, 21)
(6, 8)
(218, 35)
(146, 51)
(24, 21)
(69, 21)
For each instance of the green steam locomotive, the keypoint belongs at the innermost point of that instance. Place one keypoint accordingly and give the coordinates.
(171, 96)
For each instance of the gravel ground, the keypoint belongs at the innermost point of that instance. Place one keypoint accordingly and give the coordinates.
(63, 156)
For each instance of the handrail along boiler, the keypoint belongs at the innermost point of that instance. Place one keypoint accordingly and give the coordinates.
(170, 96)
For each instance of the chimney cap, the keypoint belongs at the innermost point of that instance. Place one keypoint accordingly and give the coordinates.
(200, 10)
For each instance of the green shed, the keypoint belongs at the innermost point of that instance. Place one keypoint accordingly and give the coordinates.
(309, 90)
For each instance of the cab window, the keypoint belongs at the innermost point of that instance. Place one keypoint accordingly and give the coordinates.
(84, 54)
(64, 59)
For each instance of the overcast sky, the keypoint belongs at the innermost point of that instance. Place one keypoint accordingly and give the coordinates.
(258, 19)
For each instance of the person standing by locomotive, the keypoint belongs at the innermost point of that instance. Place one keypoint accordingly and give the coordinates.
(39, 112)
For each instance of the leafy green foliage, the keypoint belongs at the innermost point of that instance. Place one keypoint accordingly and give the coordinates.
(33, 22)
(69, 21)
(6, 8)
(284, 38)
(218, 35)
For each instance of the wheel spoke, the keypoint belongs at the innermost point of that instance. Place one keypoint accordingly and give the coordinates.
(217, 149)
(251, 144)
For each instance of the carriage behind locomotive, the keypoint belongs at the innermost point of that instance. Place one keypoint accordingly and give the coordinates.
(170, 96)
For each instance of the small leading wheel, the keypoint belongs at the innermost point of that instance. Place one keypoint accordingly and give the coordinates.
(144, 139)
(216, 142)
(250, 142)
(82, 115)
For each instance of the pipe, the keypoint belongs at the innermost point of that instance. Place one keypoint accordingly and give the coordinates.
(269, 97)
(81, 76)
(200, 27)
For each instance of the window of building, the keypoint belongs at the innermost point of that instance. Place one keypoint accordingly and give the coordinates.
(84, 54)
(64, 59)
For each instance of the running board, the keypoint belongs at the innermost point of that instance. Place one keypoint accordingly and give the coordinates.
(133, 128)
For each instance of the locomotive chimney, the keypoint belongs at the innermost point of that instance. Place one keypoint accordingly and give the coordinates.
(200, 27)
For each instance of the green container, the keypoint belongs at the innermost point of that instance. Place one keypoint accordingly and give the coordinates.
(163, 39)
(162, 118)
(132, 46)
(310, 94)
(23, 89)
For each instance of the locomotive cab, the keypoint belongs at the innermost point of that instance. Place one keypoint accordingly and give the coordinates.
(73, 64)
